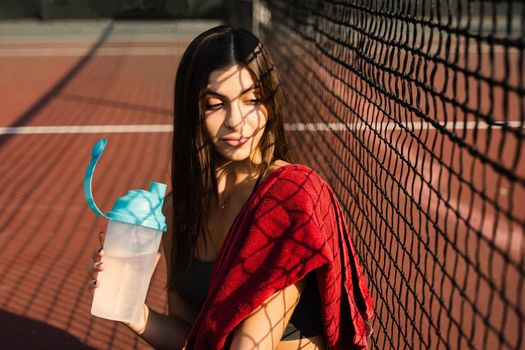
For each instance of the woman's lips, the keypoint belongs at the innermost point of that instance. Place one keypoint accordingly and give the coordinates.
(234, 142)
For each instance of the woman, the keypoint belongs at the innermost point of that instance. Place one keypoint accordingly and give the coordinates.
(258, 255)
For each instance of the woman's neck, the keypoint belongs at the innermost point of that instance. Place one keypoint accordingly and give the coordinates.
(234, 173)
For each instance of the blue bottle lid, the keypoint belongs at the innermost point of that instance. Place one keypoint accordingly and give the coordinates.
(136, 207)
(140, 207)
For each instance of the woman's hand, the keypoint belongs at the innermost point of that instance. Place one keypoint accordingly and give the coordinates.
(96, 265)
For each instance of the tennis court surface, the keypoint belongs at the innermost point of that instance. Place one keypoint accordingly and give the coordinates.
(413, 113)
(67, 85)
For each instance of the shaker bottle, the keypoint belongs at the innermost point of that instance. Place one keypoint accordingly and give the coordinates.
(131, 244)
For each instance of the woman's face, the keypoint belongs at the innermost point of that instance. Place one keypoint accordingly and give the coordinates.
(234, 114)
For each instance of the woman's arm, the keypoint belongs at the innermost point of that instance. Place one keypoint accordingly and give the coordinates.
(161, 331)
(264, 327)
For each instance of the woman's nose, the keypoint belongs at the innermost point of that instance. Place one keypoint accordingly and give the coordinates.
(234, 116)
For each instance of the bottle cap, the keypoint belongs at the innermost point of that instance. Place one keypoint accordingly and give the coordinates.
(137, 207)
(140, 207)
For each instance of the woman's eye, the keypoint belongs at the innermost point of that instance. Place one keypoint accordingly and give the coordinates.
(254, 101)
(214, 106)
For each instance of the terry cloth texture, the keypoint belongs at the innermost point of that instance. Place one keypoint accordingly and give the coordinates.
(292, 224)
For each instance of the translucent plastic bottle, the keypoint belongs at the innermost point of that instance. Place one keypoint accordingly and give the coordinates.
(132, 241)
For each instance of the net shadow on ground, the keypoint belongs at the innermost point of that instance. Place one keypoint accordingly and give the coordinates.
(18, 332)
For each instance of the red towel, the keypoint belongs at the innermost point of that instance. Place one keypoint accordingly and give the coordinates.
(291, 225)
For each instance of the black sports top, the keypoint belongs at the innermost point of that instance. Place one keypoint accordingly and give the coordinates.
(305, 321)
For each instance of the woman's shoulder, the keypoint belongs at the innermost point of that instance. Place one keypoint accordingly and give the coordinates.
(295, 177)
(295, 192)
(286, 170)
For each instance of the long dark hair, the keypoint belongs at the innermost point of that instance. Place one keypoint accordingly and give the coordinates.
(194, 184)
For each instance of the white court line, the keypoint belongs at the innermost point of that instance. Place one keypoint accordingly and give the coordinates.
(90, 38)
(86, 129)
(108, 51)
(393, 126)
(90, 129)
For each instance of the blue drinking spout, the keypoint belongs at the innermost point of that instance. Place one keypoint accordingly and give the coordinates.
(88, 177)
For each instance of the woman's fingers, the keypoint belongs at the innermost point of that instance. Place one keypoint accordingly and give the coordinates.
(95, 268)
(92, 284)
(96, 265)
(101, 236)
(99, 252)
(93, 271)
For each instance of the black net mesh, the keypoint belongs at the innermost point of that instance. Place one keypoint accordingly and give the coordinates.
(414, 113)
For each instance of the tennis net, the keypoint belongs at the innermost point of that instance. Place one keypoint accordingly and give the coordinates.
(414, 113)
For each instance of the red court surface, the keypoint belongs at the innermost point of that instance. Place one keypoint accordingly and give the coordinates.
(104, 75)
